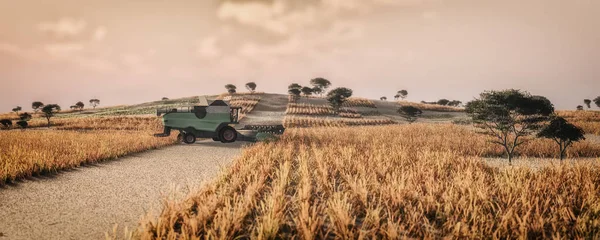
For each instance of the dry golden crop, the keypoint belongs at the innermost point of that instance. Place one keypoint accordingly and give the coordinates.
(384, 182)
(300, 122)
(32, 152)
(431, 107)
(319, 110)
(359, 102)
(100, 123)
(589, 121)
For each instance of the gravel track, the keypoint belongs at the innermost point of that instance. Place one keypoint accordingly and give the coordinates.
(86, 202)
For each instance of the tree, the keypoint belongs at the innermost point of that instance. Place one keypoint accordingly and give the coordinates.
(307, 91)
(509, 115)
(396, 97)
(36, 106)
(49, 111)
(383, 98)
(597, 101)
(80, 105)
(402, 94)
(579, 108)
(231, 89)
(454, 103)
(320, 85)
(337, 97)
(295, 92)
(6, 123)
(410, 113)
(25, 116)
(17, 109)
(165, 98)
(587, 102)
(443, 102)
(294, 86)
(563, 133)
(251, 86)
(23, 124)
(94, 102)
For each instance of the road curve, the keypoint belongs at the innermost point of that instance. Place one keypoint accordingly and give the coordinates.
(86, 202)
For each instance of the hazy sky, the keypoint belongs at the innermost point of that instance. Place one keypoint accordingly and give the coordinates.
(123, 52)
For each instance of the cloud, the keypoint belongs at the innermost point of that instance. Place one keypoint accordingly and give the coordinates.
(208, 47)
(62, 49)
(100, 33)
(135, 64)
(63, 27)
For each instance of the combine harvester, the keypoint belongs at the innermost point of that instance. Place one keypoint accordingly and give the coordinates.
(215, 120)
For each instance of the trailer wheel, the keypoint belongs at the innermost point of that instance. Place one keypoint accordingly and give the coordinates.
(189, 138)
(227, 135)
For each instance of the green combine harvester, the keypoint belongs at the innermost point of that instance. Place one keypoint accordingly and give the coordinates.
(215, 120)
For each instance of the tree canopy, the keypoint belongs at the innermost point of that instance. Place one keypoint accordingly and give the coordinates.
(563, 133)
(94, 102)
(597, 101)
(307, 91)
(337, 97)
(402, 94)
(587, 102)
(36, 106)
(49, 111)
(410, 113)
(509, 115)
(320, 85)
(251, 86)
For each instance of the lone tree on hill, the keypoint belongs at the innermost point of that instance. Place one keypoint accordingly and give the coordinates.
(24, 118)
(165, 98)
(295, 93)
(509, 115)
(587, 102)
(597, 101)
(320, 85)
(443, 102)
(402, 94)
(251, 86)
(454, 103)
(307, 91)
(49, 111)
(383, 98)
(410, 113)
(36, 106)
(80, 105)
(231, 89)
(6, 123)
(94, 102)
(294, 86)
(563, 133)
(17, 109)
(579, 108)
(337, 97)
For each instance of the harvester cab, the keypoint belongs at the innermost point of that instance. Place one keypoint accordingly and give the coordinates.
(214, 120)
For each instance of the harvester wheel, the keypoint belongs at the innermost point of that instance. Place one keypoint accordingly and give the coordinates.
(189, 138)
(216, 139)
(227, 135)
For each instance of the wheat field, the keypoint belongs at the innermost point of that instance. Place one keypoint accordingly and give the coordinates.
(385, 182)
(303, 122)
(359, 102)
(589, 121)
(32, 152)
(319, 110)
(431, 107)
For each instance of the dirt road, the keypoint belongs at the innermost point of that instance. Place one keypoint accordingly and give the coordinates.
(86, 202)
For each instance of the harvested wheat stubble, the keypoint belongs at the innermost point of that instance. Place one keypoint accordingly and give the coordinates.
(319, 110)
(296, 122)
(32, 152)
(359, 102)
(431, 107)
(314, 184)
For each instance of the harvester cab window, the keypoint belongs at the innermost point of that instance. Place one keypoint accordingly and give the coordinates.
(234, 114)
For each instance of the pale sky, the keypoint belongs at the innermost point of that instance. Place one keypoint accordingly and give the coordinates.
(125, 52)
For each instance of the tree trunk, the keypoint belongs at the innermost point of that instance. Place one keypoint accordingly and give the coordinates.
(48, 122)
